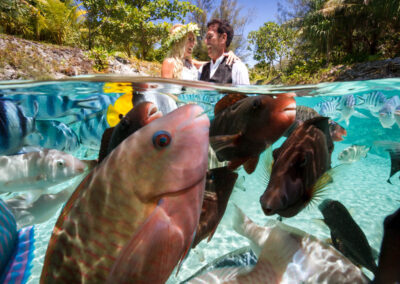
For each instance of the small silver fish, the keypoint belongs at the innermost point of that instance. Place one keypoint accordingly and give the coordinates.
(372, 101)
(35, 171)
(328, 108)
(386, 113)
(353, 153)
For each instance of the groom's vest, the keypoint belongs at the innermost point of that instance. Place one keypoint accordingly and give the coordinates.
(222, 75)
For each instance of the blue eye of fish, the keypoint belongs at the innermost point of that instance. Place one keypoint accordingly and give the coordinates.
(161, 139)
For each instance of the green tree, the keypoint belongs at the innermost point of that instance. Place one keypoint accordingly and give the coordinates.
(136, 26)
(272, 42)
(51, 20)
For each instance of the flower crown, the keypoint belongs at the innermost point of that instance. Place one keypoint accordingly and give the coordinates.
(181, 32)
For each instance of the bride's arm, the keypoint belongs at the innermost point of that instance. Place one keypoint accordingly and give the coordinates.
(167, 68)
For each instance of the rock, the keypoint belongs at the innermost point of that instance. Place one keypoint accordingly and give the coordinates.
(24, 59)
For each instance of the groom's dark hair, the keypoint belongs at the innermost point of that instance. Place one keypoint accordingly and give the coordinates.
(223, 27)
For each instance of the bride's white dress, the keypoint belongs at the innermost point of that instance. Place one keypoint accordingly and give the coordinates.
(190, 72)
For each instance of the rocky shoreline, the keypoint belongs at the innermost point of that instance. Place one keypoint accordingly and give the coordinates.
(24, 59)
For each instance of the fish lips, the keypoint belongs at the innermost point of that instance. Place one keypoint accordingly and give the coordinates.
(284, 200)
(152, 113)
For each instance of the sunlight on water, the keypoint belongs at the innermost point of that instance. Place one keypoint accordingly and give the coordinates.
(361, 186)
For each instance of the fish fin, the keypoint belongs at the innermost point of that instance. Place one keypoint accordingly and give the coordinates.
(250, 165)
(105, 140)
(375, 253)
(319, 221)
(240, 183)
(19, 267)
(226, 101)
(359, 114)
(395, 162)
(244, 226)
(268, 162)
(124, 103)
(32, 196)
(154, 242)
(113, 116)
(276, 253)
(221, 142)
(319, 188)
(360, 99)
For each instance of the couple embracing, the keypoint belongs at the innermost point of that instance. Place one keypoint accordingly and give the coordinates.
(224, 68)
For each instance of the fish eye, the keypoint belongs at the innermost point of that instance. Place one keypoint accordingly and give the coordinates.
(161, 139)
(60, 163)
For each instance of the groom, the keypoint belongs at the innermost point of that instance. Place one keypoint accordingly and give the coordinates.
(218, 38)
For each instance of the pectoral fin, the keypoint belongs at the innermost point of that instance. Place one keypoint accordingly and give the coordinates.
(221, 142)
(152, 252)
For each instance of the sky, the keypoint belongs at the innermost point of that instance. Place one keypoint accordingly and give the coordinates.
(262, 11)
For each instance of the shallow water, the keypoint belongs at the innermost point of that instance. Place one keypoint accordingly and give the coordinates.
(361, 186)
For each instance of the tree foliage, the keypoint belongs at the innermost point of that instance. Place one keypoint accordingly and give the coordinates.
(136, 26)
(50, 20)
(272, 42)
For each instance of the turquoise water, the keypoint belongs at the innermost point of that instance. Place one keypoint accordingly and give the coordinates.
(361, 186)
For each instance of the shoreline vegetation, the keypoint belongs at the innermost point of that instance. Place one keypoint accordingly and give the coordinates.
(30, 60)
(312, 41)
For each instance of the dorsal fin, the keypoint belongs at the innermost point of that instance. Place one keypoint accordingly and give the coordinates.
(322, 123)
(227, 101)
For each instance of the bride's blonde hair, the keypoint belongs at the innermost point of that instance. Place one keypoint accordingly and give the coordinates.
(177, 51)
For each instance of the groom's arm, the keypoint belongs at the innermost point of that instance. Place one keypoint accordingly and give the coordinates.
(240, 74)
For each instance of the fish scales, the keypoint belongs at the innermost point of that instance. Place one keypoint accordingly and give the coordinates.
(110, 219)
(110, 203)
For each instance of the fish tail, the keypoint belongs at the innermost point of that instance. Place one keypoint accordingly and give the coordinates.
(277, 252)
(19, 267)
(244, 226)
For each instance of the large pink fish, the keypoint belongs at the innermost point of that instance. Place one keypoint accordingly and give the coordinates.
(134, 217)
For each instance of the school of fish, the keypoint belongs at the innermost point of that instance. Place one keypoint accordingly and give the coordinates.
(162, 179)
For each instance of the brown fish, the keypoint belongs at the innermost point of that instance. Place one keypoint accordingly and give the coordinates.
(299, 168)
(347, 237)
(304, 113)
(136, 118)
(134, 216)
(389, 258)
(219, 186)
(244, 126)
